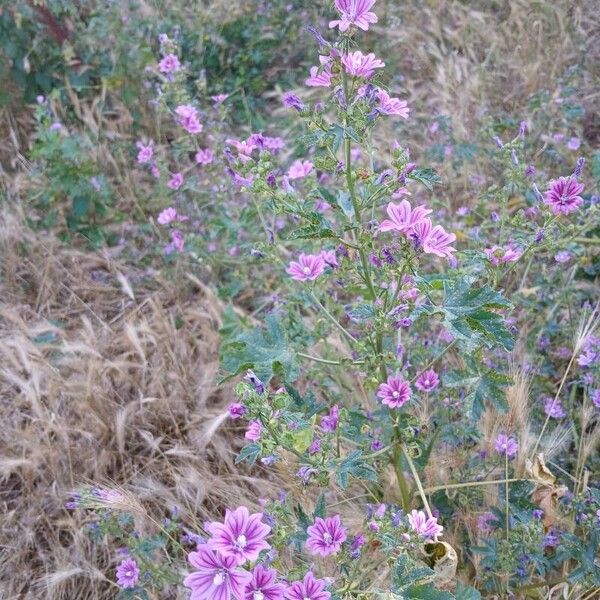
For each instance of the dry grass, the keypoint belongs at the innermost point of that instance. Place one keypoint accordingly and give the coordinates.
(98, 386)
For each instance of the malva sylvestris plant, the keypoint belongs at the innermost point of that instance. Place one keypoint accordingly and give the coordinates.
(392, 342)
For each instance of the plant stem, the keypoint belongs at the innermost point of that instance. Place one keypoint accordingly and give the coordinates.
(456, 486)
(333, 320)
(506, 493)
(413, 470)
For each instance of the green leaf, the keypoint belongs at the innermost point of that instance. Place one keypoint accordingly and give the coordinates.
(355, 466)
(320, 508)
(483, 385)
(81, 205)
(428, 177)
(426, 592)
(264, 350)
(466, 592)
(468, 314)
(249, 453)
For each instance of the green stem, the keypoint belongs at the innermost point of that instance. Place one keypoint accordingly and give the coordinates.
(405, 494)
(333, 320)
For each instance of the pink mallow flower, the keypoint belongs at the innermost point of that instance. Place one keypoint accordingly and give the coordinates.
(264, 586)
(204, 156)
(392, 106)
(217, 576)
(128, 573)
(168, 215)
(254, 431)
(563, 195)
(402, 217)
(300, 169)
(219, 99)
(361, 65)
(434, 240)
(188, 118)
(309, 588)
(326, 536)
(176, 181)
(354, 12)
(427, 381)
(395, 392)
(423, 525)
(169, 64)
(242, 536)
(497, 255)
(307, 268)
(145, 152)
(177, 243)
(320, 77)
(506, 445)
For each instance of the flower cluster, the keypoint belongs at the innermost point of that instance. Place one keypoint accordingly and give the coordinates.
(220, 562)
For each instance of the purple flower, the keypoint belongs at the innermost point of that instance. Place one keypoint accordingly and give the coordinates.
(305, 472)
(176, 180)
(315, 446)
(204, 156)
(486, 522)
(236, 410)
(217, 576)
(425, 526)
(309, 588)
(169, 64)
(128, 573)
(595, 396)
(300, 169)
(427, 381)
(145, 153)
(395, 392)
(434, 240)
(254, 431)
(168, 215)
(307, 268)
(326, 536)
(354, 12)
(506, 445)
(254, 381)
(392, 106)
(320, 76)
(219, 99)
(563, 195)
(574, 143)
(264, 586)
(177, 243)
(361, 65)
(402, 217)
(242, 536)
(553, 408)
(562, 257)
(188, 118)
(329, 422)
(330, 258)
(290, 100)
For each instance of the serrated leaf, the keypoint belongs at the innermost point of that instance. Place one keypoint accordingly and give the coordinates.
(320, 508)
(264, 350)
(248, 453)
(428, 177)
(468, 315)
(354, 465)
